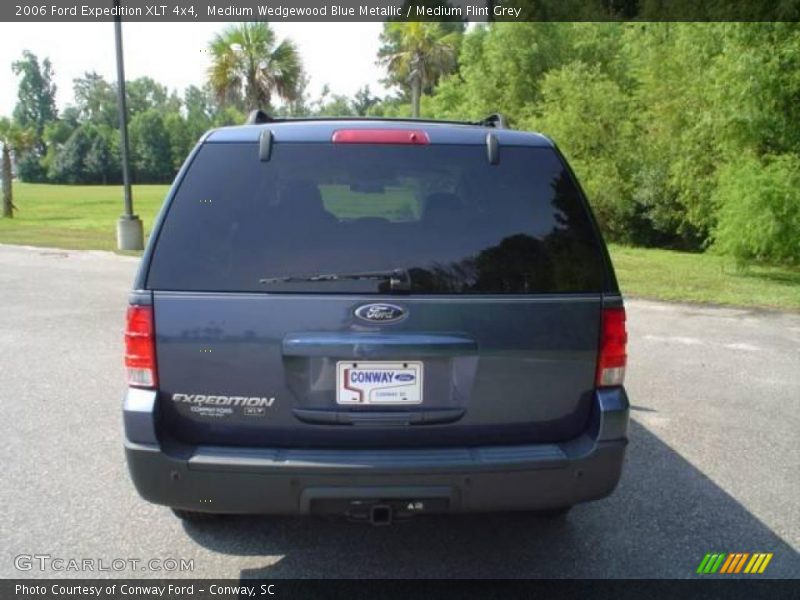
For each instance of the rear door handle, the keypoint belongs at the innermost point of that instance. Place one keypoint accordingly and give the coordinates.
(377, 345)
(378, 418)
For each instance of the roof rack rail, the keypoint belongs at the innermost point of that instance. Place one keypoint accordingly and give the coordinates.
(496, 120)
(258, 116)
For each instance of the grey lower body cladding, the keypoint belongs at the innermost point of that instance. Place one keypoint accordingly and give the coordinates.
(297, 481)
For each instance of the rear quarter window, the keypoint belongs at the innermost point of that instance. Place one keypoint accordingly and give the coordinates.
(455, 223)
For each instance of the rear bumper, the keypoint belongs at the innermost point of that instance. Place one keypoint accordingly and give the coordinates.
(298, 481)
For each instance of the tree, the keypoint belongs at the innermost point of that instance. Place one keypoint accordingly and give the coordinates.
(36, 107)
(180, 138)
(69, 165)
(249, 66)
(101, 163)
(331, 105)
(228, 116)
(759, 215)
(299, 105)
(592, 118)
(391, 40)
(145, 93)
(363, 100)
(56, 134)
(679, 144)
(421, 54)
(96, 100)
(14, 140)
(150, 148)
(502, 69)
(199, 111)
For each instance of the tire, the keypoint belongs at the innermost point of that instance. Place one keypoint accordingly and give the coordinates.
(191, 516)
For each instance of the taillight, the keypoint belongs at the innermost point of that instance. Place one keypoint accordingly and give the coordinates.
(613, 340)
(380, 136)
(140, 347)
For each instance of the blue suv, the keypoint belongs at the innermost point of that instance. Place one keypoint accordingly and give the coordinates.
(376, 319)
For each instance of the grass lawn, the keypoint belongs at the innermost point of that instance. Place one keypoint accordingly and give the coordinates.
(75, 216)
(84, 217)
(703, 278)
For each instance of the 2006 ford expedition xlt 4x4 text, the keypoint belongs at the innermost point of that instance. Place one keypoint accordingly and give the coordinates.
(374, 318)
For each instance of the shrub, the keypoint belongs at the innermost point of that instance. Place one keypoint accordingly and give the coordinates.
(759, 209)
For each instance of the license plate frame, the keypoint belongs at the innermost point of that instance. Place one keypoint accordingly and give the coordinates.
(373, 383)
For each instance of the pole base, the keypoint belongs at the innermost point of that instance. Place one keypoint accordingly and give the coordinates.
(130, 233)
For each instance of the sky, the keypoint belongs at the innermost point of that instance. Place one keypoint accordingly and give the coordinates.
(339, 54)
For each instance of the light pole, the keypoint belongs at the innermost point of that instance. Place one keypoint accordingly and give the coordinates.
(130, 235)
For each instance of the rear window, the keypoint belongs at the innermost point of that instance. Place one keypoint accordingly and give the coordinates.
(316, 213)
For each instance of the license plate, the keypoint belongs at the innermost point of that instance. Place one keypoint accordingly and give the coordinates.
(368, 382)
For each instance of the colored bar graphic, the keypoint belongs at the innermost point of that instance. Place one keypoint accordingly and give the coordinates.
(703, 563)
(728, 564)
(765, 563)
(741, 562)
(734, 562)
(710, 564)
(717, 563)
(752, 563)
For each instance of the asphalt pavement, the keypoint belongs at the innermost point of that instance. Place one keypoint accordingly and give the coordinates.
(713, 464)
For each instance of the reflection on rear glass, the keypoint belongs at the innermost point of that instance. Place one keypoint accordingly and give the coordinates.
(455, 223)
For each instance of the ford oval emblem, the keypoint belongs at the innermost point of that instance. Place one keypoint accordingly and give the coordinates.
(380, 313)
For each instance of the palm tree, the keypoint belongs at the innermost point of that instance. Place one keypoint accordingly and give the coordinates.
(424, 52)
(14, 139)
(248, 60)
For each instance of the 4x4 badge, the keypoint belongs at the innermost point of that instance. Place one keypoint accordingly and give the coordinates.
(380, 313)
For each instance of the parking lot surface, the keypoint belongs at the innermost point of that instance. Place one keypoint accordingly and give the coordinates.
(713, 464)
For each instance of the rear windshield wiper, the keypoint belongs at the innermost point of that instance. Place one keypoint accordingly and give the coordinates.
(398, 279)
